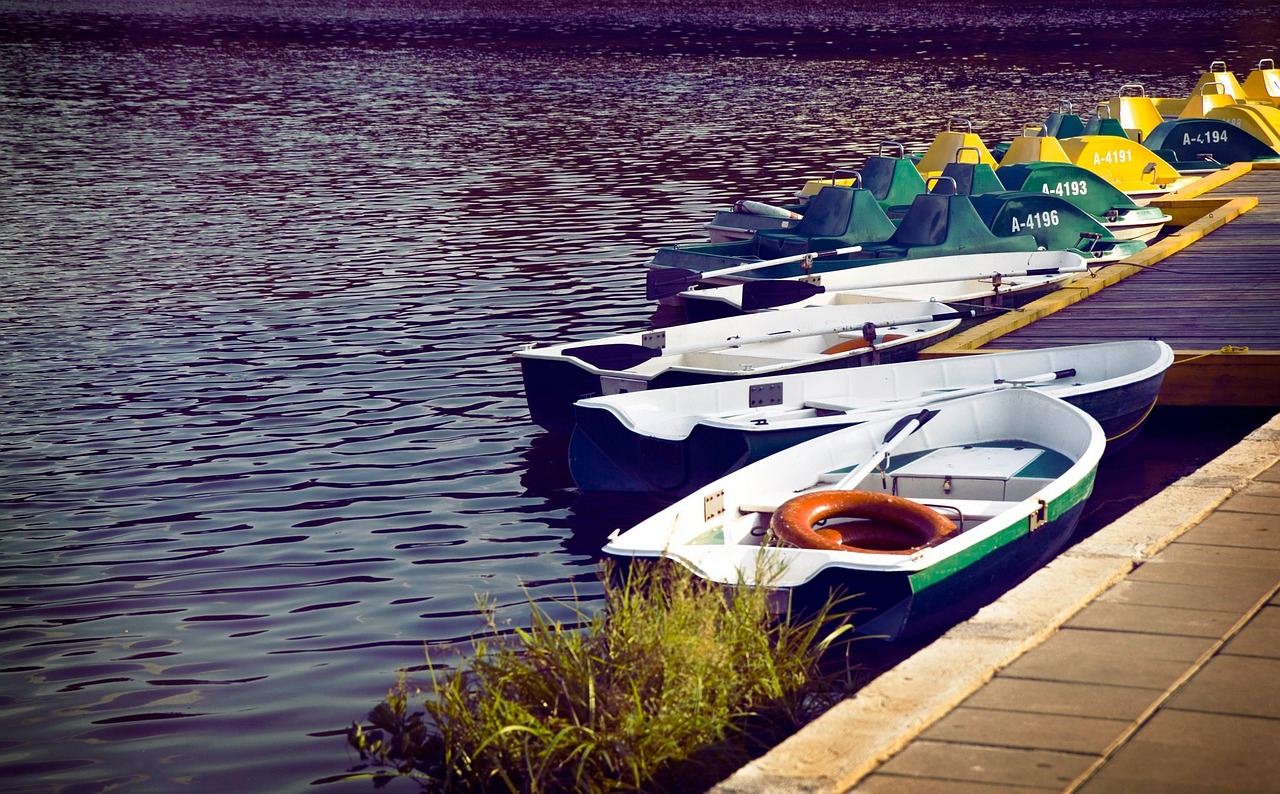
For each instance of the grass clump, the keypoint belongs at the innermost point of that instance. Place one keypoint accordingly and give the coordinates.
(670, 688)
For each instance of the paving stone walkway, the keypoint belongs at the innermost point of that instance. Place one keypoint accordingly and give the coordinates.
(1146, 659)
(1169, 681)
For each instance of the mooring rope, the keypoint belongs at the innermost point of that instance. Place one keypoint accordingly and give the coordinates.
(1136, 424)
(1224, 350)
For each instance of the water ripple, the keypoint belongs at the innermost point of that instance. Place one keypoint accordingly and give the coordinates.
(262, 433)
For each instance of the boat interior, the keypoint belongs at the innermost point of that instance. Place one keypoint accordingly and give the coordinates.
(969, 484)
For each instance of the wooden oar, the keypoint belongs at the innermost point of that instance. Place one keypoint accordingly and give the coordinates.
(619, 355)
(896, 435)
(765, 294)
(666, 281)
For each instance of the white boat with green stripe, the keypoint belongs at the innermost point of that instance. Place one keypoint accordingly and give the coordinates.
(922, 517)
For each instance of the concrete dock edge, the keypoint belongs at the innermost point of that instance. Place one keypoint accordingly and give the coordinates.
(844, 745)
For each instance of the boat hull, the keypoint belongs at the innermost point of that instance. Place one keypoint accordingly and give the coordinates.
(895, 606)
(552, 386)
(1012, 469)
(609, 454)
(606, 456)
(1003, 279)
(811, 339)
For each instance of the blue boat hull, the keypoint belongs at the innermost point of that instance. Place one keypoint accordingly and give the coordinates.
(552, 386)
(605, 455)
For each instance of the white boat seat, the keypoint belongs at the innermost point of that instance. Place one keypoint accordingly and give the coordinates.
(844, 406)
(731, 362)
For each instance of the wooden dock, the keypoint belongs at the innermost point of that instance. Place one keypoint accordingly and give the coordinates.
(1210, 289)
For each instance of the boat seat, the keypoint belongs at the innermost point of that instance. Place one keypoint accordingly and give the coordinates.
(945, 147)
(1211, 96)
(1034, 149)
(970, 510)
(1103, 125)
(827, 213)
(925, 223)
(1263, 83)
(1137, 114)
(1061, 124)
(838, 217)
(1218, 73)
(842, 406)
(894, 181)
(973, 178)
(729, 362)
(976, 472)
(941, 224)
(1020, 488)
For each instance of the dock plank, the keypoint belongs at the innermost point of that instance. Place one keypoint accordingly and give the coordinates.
(1213, 299)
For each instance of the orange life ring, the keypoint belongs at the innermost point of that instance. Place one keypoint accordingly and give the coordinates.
(892, 525)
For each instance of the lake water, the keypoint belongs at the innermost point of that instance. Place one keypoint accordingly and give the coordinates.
(262, 438)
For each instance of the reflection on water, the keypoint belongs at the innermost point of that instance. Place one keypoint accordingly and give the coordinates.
(261, 433)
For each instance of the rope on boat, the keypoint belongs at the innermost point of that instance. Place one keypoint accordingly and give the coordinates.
(1224, 350)
(1136, 424)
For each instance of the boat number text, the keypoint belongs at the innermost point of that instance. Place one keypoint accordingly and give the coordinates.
(1208, 136)
(1037, 220)
(1113, 157)
(1076, 187)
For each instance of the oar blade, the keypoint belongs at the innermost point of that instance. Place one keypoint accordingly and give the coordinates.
(664, 282)
(1047, 377)
(765, 294)
(924, 416)
(898, 433)
(614, 355)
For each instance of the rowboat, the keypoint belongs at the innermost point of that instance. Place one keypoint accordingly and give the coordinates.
(999, 279)
(803, 340)
(667, 443)
(947, 508)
